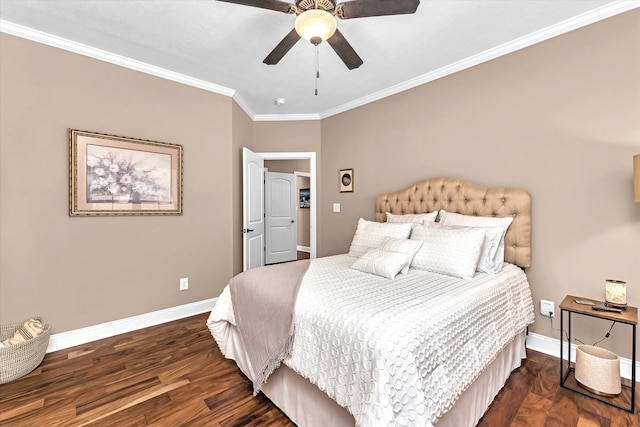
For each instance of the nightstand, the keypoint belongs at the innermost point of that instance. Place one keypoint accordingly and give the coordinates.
(567, 375)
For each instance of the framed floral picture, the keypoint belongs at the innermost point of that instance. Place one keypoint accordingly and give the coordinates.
(115, 175)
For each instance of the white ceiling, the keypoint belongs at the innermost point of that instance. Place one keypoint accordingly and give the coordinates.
(220, 46)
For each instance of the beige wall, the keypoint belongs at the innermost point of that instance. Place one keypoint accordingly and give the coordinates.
(82, 271)
(299, 136)
(242, 137)
(560, 119)
(287, 166)
(296, 136)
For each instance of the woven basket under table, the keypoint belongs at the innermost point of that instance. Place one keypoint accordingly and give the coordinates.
(19, 359)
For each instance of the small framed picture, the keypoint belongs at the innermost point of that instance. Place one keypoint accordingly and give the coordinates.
(305, 198)
(346, 180)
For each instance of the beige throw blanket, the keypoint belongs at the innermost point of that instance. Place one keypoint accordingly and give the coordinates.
(263, 304)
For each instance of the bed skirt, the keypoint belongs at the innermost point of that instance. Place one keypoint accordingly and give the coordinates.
(306, 405)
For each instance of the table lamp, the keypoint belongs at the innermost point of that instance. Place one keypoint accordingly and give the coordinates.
(616, 294)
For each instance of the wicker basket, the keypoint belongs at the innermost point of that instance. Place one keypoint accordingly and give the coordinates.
(19, 359)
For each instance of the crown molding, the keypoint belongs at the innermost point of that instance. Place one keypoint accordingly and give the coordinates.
(112, 58)
(603, 12)
(544, 34)
(285, 117)
(243, 104)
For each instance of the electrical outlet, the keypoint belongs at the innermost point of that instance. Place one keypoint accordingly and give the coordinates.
(184, 283)
(547, 307)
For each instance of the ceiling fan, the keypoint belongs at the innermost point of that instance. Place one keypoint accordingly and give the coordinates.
(316, 22)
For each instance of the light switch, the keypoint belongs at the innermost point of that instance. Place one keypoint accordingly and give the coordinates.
(336, 207)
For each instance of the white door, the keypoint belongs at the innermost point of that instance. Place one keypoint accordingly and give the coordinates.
(252, 210)
(280, 210)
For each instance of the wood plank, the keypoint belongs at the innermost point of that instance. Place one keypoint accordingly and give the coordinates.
(17, 410)
(628, 316)
(532, 412)
(110, 406)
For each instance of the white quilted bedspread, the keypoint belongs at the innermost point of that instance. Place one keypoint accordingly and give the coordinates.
(400, 352)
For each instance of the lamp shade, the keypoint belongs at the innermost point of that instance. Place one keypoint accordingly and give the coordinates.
(616, 292)
(315, 25)
(636, 177)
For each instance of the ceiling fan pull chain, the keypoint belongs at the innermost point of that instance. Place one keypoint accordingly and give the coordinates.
(317, 68)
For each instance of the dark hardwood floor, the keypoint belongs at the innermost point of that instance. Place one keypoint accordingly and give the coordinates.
(174, 375)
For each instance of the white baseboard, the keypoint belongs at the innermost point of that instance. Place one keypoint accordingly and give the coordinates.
(105, 330)
(551, 346)
(541, 343)
(304, 248)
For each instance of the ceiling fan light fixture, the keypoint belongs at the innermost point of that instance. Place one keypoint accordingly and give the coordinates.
(315, 25)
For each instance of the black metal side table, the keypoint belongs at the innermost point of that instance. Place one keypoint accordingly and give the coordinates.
(628, 316)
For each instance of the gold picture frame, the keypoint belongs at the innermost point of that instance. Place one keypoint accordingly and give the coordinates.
(346, 180)
(117, 175)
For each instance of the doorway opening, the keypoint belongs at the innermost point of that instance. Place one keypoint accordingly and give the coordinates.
(254, 213)
(311, 175)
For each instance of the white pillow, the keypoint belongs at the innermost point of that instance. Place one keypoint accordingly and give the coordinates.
(491, 243)
(454, 252)
(382, 263)
(403, 246)
(370, 234)
(497, 258)
(417, 218)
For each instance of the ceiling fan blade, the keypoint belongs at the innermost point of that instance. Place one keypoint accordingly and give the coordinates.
(279, 6)
(365, 8)
(344, 50)
(282, 48)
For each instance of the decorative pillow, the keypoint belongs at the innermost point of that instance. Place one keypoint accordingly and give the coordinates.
(497, 258)
(415, 218)
(403, 246)
(370, 234)
(491, 242)
(382, 263)
(454, 252)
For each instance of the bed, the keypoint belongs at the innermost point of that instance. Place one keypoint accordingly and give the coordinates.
(421, 349)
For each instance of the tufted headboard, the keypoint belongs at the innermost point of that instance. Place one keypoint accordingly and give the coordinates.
(454, 195)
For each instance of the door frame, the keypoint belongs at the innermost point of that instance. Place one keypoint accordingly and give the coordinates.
(311, 156)
(305, 175)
